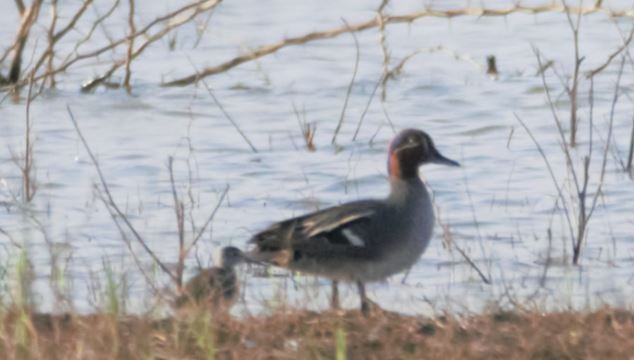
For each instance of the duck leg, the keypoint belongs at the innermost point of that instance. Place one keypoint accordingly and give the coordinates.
(365, 303)
(334, 301)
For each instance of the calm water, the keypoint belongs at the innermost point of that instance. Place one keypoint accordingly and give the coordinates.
(499, 205)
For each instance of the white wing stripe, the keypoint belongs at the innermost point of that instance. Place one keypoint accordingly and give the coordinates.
(353, 238)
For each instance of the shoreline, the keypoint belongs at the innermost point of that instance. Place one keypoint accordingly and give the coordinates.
(602, 333)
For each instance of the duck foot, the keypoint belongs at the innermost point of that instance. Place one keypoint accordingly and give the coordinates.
(334, 301)
(367, 305)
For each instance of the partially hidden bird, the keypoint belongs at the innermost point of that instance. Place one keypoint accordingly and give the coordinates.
(216, 287)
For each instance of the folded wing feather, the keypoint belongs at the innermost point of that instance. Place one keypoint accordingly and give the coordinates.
(337, 226)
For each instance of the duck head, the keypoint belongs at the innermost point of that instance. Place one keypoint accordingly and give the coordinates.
(410, 149)
(231, 256)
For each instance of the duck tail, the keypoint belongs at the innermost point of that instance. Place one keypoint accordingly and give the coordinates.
(273, 245)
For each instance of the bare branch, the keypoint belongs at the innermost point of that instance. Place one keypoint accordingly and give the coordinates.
(53, 38)
(611, 57)
(615, 99)
(388, 19)
(173, 19)
(572, 90)
(99, 21)
(584, 216)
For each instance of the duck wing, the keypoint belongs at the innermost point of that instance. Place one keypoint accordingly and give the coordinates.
(340, 229)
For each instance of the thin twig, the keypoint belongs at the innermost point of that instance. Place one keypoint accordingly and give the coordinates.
(349, 90)
(228, 117)
(179, 210)
(95, 24)
(128, 243)
(173, 19)
(128, 62)
(560, 128)
(584, 217)
(448, 238)
(552, 174)
(28, 184)
(209, 219)
(572, 90)
(609, 139)
(388, 118)
(475, 219)
(367, 107)
(611, 57)
(111, 203)
(54, 38)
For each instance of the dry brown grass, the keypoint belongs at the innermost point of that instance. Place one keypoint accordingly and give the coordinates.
(602, 334)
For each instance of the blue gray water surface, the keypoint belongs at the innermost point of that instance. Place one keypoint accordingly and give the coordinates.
(498, 206)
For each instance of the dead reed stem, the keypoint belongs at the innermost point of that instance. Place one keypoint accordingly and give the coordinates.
(27, 168)
(612, 56)
(179, 207)
(451, 244)
(179, 211)
(572, 89)
(583, 213)
(211, 216)
(584, 217)
(113, 205)
(128, 62)
(51, 37)
(630, 156)
(367, 107)
(551, 172)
